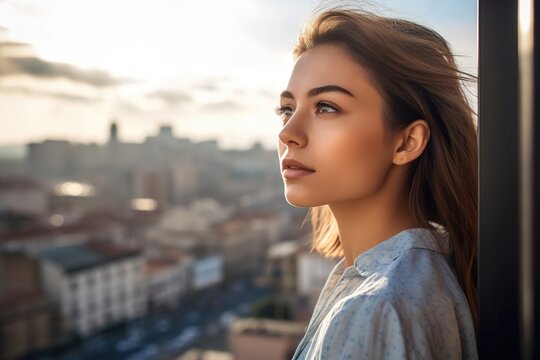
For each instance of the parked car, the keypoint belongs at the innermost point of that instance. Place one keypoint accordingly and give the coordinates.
(188, 335)
(226, 318)
(148, 352)
(132, 341)
(163, 325)
(193, 317)
(243, 309)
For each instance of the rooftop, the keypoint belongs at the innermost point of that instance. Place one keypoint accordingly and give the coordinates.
(284, 249)
(153, 266)
(22, 301)
(267, 327)
(198, 354)
(18, 184)
(77, 257)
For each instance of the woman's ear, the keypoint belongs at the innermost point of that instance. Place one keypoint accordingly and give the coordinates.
(411, 142)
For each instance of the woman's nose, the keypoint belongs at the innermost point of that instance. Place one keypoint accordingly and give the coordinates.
(294, 132)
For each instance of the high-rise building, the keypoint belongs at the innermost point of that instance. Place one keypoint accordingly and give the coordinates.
(113, 133)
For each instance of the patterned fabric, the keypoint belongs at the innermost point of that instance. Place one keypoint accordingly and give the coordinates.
(400, 300)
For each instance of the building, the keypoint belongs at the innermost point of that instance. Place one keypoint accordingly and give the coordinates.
(199, 354)
(264, 339)
(242, 244)
(298, 274)
(113, 133)
(152, 183)
(207, 272)
(60, 231)
(166, 282)
(95, 284)
(27, 325)
(281, 265)
(22, 195)
(312, 272)
(27, 318)
(49, 156)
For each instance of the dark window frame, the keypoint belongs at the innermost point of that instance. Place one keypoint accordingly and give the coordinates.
(506, 270)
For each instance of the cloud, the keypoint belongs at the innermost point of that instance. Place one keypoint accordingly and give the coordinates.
(208, 85)
(57, 95)
(268, 94)
(219, 106)
(4, 34)
(129, 106)
(170, 97)
(15, 60)
(15, 49)
(25, 8)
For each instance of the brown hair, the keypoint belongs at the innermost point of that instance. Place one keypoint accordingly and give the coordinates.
(414, 69)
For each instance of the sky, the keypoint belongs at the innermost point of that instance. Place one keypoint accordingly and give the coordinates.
(212, 69)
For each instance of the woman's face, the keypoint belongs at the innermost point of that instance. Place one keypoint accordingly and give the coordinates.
(338, 133)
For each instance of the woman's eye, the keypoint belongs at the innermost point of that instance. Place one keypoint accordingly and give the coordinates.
(326, 108)
(284, 111)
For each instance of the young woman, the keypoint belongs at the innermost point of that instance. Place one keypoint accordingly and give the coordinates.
(379, 141)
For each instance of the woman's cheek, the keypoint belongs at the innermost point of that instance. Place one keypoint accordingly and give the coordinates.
(359, 161)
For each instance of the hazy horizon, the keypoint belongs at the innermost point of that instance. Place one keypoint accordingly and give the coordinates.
(68, 68)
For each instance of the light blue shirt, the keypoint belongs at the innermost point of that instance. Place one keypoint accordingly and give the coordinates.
(400, 300)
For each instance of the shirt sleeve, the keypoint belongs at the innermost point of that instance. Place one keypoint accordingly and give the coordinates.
(375, 330)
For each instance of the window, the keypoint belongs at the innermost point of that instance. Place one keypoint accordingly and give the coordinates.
(74, 285)
(74, 310)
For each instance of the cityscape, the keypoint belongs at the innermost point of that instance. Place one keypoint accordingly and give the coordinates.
(165, 249)
(142, 208)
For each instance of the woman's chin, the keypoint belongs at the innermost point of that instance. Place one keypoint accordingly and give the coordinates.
(301, 200)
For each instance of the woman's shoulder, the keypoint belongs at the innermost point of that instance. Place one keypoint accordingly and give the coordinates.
(413, 266)
(419, 284)
(412, 304)
(423, 275)
(390, 327)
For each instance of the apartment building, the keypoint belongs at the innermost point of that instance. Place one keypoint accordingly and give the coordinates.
(95, 284)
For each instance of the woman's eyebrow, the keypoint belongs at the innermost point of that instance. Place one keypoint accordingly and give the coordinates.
(319, 90)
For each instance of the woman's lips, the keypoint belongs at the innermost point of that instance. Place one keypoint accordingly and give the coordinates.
(296, 173)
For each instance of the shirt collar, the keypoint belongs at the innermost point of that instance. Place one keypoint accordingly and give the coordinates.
(388, 250)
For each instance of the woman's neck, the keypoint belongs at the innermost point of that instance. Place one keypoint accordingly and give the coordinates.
(368, 221)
